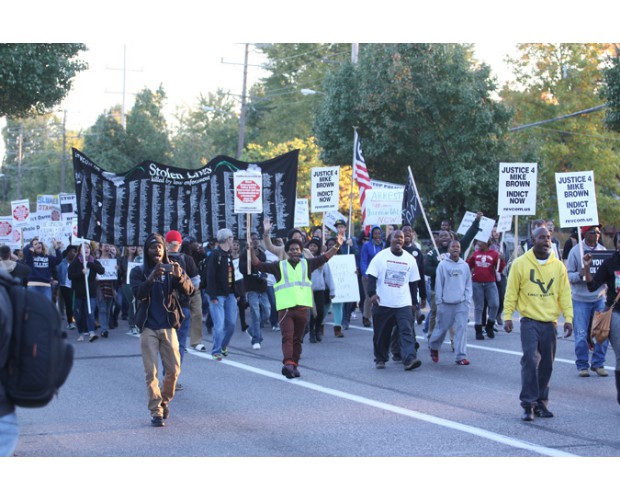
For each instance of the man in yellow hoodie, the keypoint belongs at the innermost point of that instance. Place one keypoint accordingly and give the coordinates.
(539, 289)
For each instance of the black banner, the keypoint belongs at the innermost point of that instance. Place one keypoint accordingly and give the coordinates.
(123, 209)
(411, 207)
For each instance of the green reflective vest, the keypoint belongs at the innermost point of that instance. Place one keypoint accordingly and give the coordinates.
(294, 287)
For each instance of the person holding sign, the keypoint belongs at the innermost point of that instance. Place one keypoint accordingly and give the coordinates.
(392, 289)
(539, 289)
(83, 272)
(609, 274)
(41, 265)
(293, 291)
(585, 303)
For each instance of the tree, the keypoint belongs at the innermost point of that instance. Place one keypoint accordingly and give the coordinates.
(427, 106)
(146, 137)
(36, 76)
(34, 158)
(277, 111)
(206, 131)
(308, 158)
(553, 80)
(611, 91)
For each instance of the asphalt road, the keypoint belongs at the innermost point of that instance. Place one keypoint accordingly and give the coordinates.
(340, 407)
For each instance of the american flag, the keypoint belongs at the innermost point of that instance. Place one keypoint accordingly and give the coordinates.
(360, 174)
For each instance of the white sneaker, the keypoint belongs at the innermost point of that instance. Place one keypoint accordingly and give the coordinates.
(353, 316)
(247, 332)
(256, 346)
(200, 347)
(71, 326)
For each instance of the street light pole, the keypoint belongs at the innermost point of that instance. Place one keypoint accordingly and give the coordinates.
(241, 141)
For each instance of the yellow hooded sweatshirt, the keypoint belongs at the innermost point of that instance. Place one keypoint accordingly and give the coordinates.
(538, 291)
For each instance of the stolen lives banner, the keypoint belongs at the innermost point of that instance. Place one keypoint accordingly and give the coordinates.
(123, 209)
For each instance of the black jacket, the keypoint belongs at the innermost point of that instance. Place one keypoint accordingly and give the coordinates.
(78, 281)
(219, 267)
(6, 327)
(141, 288)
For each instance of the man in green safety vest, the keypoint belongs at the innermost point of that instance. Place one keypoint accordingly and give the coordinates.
(293, 291)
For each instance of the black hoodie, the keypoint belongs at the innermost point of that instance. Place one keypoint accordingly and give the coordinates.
(157, 304)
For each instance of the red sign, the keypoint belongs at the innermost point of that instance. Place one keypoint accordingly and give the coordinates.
(20, 213)
(248, 191)
(6, 228)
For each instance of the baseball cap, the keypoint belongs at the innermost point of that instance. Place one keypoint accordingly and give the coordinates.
(174, 236)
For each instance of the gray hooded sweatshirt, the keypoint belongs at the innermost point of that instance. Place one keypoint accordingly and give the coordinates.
(453, 282)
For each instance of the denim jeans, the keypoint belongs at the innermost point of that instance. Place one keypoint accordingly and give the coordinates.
(538, 342)
(583, 312)
(9, 432)
(273, 318)
(482, 291)
(105, 313)
(85, 321)
(183, 330)
(260, 310)
(224, 315)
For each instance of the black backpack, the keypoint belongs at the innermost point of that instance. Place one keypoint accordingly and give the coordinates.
(39, 358)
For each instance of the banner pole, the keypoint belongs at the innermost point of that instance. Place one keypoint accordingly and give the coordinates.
(430, 232)
(248, 241)
(86, 278)
(516, 248)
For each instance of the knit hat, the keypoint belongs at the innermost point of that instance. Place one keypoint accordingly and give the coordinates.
(173, 236)
(585, 229)
(314, 241)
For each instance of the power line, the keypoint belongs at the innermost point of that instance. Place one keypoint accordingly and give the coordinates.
(571, 115)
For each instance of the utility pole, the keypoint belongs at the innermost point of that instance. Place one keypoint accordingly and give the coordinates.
(63, 165)
(355, 49)
(19, 161)
(241, 141)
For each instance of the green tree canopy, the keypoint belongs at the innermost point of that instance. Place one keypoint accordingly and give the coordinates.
(277, 111)
(554, 80)
(36, 76)
(427, 106)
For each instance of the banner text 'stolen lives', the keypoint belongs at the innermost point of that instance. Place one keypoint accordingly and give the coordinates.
(123, 209)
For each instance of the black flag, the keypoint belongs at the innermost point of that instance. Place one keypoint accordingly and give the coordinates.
(123, 209)
(411, 207)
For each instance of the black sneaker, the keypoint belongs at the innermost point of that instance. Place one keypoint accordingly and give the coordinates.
(412, 364)
(542, 412)
(397, 358)
(104, 334)
(157, 421)
(528, 414)
(296, 372)
(379, 365)
(288, 371)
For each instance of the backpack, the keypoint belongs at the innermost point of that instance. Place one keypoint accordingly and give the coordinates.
(39, 358)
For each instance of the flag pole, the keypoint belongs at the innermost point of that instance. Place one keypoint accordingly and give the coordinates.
(352, 179)
(430, 232)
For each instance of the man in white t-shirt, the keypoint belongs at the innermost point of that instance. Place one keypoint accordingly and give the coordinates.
(392, 290)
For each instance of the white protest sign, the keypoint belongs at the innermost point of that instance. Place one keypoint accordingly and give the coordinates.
(330, 219)
(485, 227)
(49, 203)
(248, 187)
(325, 189)
(517, 189)
(576, 199)
(384, 206)
(52, 230)
(130, 266)
(504, 223)
(302, 213)
(20, 211)
(30, 230)
(68, 206)
(6, 229)
(109, 265)
(342, 268)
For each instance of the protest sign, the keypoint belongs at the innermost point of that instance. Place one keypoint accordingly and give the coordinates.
(68, 206)
(330, 219)
(302, 213)
(111, 273)
(20, 211)
(384, 206)
(504, 223)
(598, 256)
(248, 186)
(6, 229)
(325, 189)
(485, 227)
(517, 189)
(576, 199)
(343, 270)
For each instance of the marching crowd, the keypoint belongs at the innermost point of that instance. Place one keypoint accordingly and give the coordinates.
(173, 286)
